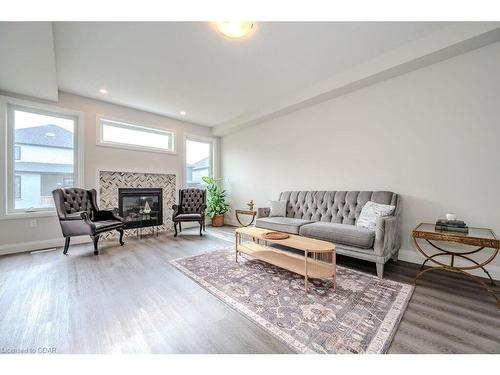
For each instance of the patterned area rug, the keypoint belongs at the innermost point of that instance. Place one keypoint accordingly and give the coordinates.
(361, 316)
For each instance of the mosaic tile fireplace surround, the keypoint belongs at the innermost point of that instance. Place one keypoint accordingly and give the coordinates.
(111, 181)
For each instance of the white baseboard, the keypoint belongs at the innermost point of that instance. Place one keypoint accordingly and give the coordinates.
(23, 247)
(234, 223)
(407, 255)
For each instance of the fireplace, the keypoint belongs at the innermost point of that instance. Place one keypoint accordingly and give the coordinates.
(140, 207)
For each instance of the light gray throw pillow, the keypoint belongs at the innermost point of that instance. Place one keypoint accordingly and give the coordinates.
(278, 208)
(371, 211)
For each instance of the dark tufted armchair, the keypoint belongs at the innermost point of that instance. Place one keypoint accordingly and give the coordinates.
(79, 215)
(191, 207)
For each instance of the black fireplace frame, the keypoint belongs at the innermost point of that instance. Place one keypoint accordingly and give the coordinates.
(144, 192)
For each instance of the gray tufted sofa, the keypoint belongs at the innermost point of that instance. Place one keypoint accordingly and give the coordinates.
(332, 215)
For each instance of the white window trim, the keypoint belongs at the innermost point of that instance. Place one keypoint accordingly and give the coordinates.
(100, 142)
(6, 157)
(213, 155)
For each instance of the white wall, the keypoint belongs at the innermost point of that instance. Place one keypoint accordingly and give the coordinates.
(19, 235)
(431, 135)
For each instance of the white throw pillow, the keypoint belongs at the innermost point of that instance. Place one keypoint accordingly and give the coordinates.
(370, 212)
(278, 208)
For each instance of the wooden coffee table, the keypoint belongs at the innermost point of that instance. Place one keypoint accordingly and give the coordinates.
(309, 267)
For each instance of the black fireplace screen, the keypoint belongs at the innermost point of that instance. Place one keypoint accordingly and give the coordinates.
(140, 207)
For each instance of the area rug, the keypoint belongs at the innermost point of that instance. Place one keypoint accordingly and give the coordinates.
(361, 316)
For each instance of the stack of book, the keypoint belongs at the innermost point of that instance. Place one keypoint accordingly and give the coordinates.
(451, 226)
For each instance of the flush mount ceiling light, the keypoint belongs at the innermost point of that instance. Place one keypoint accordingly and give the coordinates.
(183, 113)
(103, 91)
(234, 29)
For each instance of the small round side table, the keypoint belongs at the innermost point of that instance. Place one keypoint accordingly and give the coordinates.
(245, 212)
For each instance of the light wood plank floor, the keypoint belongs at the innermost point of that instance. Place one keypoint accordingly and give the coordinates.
(131, 300)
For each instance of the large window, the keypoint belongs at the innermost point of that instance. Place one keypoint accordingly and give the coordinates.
(120, 134)
(199, 161)
(42, 157)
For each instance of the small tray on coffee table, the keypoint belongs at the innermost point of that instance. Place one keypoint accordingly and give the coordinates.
(275, 236)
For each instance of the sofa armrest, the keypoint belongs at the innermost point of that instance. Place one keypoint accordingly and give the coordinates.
(387, 236)
(263, 212)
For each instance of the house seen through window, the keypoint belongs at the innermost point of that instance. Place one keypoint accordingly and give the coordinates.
(43, 157)
(198, 161)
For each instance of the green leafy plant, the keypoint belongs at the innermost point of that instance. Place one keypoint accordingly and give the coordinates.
(216, 200)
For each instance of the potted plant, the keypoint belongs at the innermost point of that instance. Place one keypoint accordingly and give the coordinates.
(216, 204)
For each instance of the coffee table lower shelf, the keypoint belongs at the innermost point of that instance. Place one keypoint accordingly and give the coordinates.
(302, 265)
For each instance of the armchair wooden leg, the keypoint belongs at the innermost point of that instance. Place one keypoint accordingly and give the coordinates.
(121, 236)
(175, 229)
(201, 227)
(180, 227)
(204, 226)
(66, 245)
(95, 240)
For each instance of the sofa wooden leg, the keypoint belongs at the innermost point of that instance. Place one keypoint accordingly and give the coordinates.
(201, 227)
(95, 240)
(175, 229)
(180, 227)
(121, 236)
(66, 245)
(380, 270)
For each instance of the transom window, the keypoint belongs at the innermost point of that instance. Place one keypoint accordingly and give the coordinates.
(42, 156)
(113, 133)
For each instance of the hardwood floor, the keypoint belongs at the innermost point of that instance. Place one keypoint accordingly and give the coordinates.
(131, 300)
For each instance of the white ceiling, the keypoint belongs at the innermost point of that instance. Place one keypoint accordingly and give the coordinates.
(27, 59)
(173, 66)
(169, 67)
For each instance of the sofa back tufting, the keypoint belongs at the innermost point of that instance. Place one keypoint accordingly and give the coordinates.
(342, 207)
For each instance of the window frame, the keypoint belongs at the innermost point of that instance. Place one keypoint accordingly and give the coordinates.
(212, 158)
(7, 179)
(103, 119)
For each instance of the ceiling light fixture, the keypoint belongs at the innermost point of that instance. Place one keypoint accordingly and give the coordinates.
(183, 113)
(103, 91)
(234, 29)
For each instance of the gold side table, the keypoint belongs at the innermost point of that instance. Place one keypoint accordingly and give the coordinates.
(251, 213)
(484, 240)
